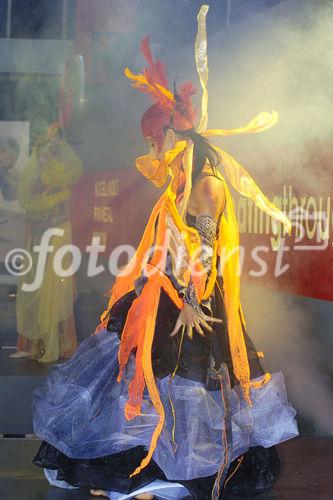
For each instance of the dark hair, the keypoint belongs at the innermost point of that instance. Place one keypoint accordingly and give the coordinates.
(203, 152)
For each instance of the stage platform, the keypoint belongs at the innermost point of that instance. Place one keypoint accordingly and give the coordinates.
(307, 472)
(18, 379)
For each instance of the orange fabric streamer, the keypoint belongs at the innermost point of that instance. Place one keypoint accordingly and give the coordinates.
(228, 250)
(169, 214)
(125, 280)
(139, 329)
(262, 382)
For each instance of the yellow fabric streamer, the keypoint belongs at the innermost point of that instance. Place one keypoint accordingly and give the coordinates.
(228, 246)
(242, 181)
(261, 122)
(237, 175)
(170, 217)
(262, 382)
(187, 162)
(201, 60)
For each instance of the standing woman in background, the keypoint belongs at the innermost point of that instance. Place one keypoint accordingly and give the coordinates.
(45, 320)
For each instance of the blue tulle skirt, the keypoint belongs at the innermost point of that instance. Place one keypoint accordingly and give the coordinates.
(79, 410)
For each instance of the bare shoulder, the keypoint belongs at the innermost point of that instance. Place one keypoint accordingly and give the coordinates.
(209, 193)
(208, 183)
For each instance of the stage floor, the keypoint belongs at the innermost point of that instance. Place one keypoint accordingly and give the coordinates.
(307, 472)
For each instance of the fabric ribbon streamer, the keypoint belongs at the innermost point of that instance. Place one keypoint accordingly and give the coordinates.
(169, 215)
(237, 175)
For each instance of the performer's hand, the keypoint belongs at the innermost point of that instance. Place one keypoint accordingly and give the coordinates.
(191, 318)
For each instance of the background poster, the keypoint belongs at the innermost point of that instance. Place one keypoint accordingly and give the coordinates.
(12, 218)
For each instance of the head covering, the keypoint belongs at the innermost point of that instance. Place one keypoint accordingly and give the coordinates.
(43, 140)
(58, 175)
(170, 109)
(175, 109)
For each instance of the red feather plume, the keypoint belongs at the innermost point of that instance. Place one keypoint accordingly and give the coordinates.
(153, 82)
(156, 73)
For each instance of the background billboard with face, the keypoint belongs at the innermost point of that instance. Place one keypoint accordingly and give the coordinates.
(14, 153)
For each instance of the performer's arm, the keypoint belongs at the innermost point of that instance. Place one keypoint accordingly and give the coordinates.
(210, 199)
(39, 203)
(64, 173)
(206, 227)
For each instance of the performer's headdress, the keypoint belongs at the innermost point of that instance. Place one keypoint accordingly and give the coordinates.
(175, 110)
(170, 109)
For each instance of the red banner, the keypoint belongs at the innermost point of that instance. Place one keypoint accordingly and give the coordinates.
(298, 179)
(114, 205)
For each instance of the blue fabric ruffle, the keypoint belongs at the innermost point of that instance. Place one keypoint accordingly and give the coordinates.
(79, 409)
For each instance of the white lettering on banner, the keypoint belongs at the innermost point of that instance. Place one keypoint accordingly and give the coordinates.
(311, 217)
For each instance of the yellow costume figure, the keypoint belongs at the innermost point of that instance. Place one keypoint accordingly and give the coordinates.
(45, 316)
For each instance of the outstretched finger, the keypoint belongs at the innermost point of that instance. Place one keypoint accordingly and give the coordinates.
(199, 329)
(176, 328)
(206, 325)
(214, 320)
(189, 331)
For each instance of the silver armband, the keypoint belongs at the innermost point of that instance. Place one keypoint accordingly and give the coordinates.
(206, 227)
